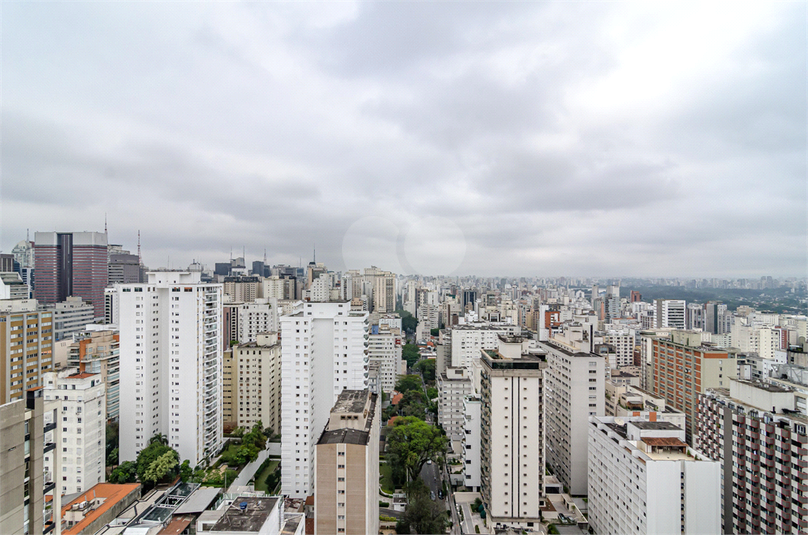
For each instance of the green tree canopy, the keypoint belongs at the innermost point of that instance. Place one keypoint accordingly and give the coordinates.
(422, 515)
(408, 322)
(409, 382)
(149, 454)
(414, 442)
(411, 354)
(427, 368)
(126, 472)
(162, 467)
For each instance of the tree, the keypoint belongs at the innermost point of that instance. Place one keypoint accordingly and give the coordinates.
(409, 382)
(112, 438)
(126, 472)
(414, 442)
(162, 467)
(411, 354)
(159, 438)
(112, 458)
(427, 367)
(412, 404)
(422, 514)
(148, 455)
(186, 472)
(434, 332)
(408, 322)
(432, 393)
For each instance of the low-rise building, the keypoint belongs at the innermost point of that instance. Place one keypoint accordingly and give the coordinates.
(90, 511)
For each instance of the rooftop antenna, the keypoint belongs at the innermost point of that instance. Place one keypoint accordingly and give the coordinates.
(231, 254)
(27, 234)
(315, 253)
(265, 255)
(105, 222)
(139, 258)
(244, 253)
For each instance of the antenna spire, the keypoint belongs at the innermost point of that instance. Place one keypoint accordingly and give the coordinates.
(315, 253)
(105, 222)
(139, 258)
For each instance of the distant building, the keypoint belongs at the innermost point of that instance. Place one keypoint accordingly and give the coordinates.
(241, 289)
(644, 479)
(12, 287)
(257, 387)
(123, 268)
(71, 264)
(670, 313)
(26, 349)
(71, 317)
(385, 347)
(346, 488)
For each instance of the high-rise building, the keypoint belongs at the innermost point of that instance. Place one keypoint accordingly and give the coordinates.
(12, 286)
(71, 317)
(453, 386)
(758, 435)
(171, 355)
(241, 289)
(385, 347)
(469, 340)
(71, 264)
(26, 349)
(472, 442)
(683, 368)
(346, 489)
(98, 352)
(124, 268)
(512, 434)
(323, 352)
(26, 440)
(83, 419)
(257, 384)
(670, 313)
(575, 389)
(644, 479)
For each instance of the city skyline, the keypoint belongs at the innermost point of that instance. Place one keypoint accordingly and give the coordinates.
(490, 139)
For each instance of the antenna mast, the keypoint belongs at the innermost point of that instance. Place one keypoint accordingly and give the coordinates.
(139, 258)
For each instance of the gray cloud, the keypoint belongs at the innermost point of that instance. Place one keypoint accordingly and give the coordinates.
(559, 138)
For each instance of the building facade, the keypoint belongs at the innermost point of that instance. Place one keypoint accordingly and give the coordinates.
(170, 347)
(453, 386)
(385, 347)
(323, 352)
(26, 350)
(257, 367)
(644, 479)
(346, 489)
(71, 264)
(99, 352)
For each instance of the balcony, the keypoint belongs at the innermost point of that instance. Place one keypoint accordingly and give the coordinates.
(50, 427)
(50, 446)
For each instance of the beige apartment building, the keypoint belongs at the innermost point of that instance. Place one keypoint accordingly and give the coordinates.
(346, 467)
(26, 350)
(255, 382)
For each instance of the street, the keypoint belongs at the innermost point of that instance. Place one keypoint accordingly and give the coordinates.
(431, 476)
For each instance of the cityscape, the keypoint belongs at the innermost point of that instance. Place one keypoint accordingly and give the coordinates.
(403, 268)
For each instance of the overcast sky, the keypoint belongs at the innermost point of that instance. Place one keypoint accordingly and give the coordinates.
(570, 138)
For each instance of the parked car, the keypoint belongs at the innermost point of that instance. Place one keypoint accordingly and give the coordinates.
(432, 494)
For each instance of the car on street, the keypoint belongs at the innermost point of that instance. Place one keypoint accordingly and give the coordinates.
(429, 461)
(440, 494)
(432, 494)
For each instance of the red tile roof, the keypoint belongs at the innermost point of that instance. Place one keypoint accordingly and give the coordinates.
(113, 494)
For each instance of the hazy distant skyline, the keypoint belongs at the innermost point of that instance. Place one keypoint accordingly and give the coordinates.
(512, 139)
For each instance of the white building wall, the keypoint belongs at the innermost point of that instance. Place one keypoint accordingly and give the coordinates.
(323, 351)
(471, 442)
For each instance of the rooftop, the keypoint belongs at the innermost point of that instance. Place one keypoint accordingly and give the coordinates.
(656, 426)
(251, 519)
(111, 493)
(669, 442)
(344, 436)
(351, 401)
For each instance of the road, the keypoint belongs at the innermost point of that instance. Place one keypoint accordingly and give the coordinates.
(430, 473)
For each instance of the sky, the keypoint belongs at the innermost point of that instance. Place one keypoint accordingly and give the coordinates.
(440, 138)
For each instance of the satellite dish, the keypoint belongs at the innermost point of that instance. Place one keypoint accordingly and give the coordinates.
(619, 421)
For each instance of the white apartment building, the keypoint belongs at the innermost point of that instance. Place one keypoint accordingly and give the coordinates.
(82, 418)
(171, 357)
(453, 386)
(623, 344)
(644, 479)
(468, 340)
(385, 347)
(255, 318)
(71, 316)
(575, 389)
(256, 386)
(757, 338)
(323, 352)
(670, 313)
(512, 434)
(471, 442)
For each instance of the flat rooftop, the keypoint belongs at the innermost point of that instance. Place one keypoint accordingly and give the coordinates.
(351, 401)
(768, 387)
(344, 436)
(656, 426)
(111, 493)
(251, 520)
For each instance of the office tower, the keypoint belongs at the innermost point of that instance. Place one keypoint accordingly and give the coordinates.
(575, 389)
(669, 313)
(24, 254)
(71, 264)
(323, 352)
(635, 297)
(383, 289)
(715, 318)
(6, 263)
(171, 354)
(98, 352)
(612, 303)
(346, 488)
(26, 349)
(694, 320)
(644, 479)
(70, 317)
(25, 441)
(512, 434)
(683, 368)
(124, 268)
(453, 386)
(469, 299)
(757, 432)
(258, 268)
(257, 387)
(384, 347)
(83, 419)
(471, 442)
